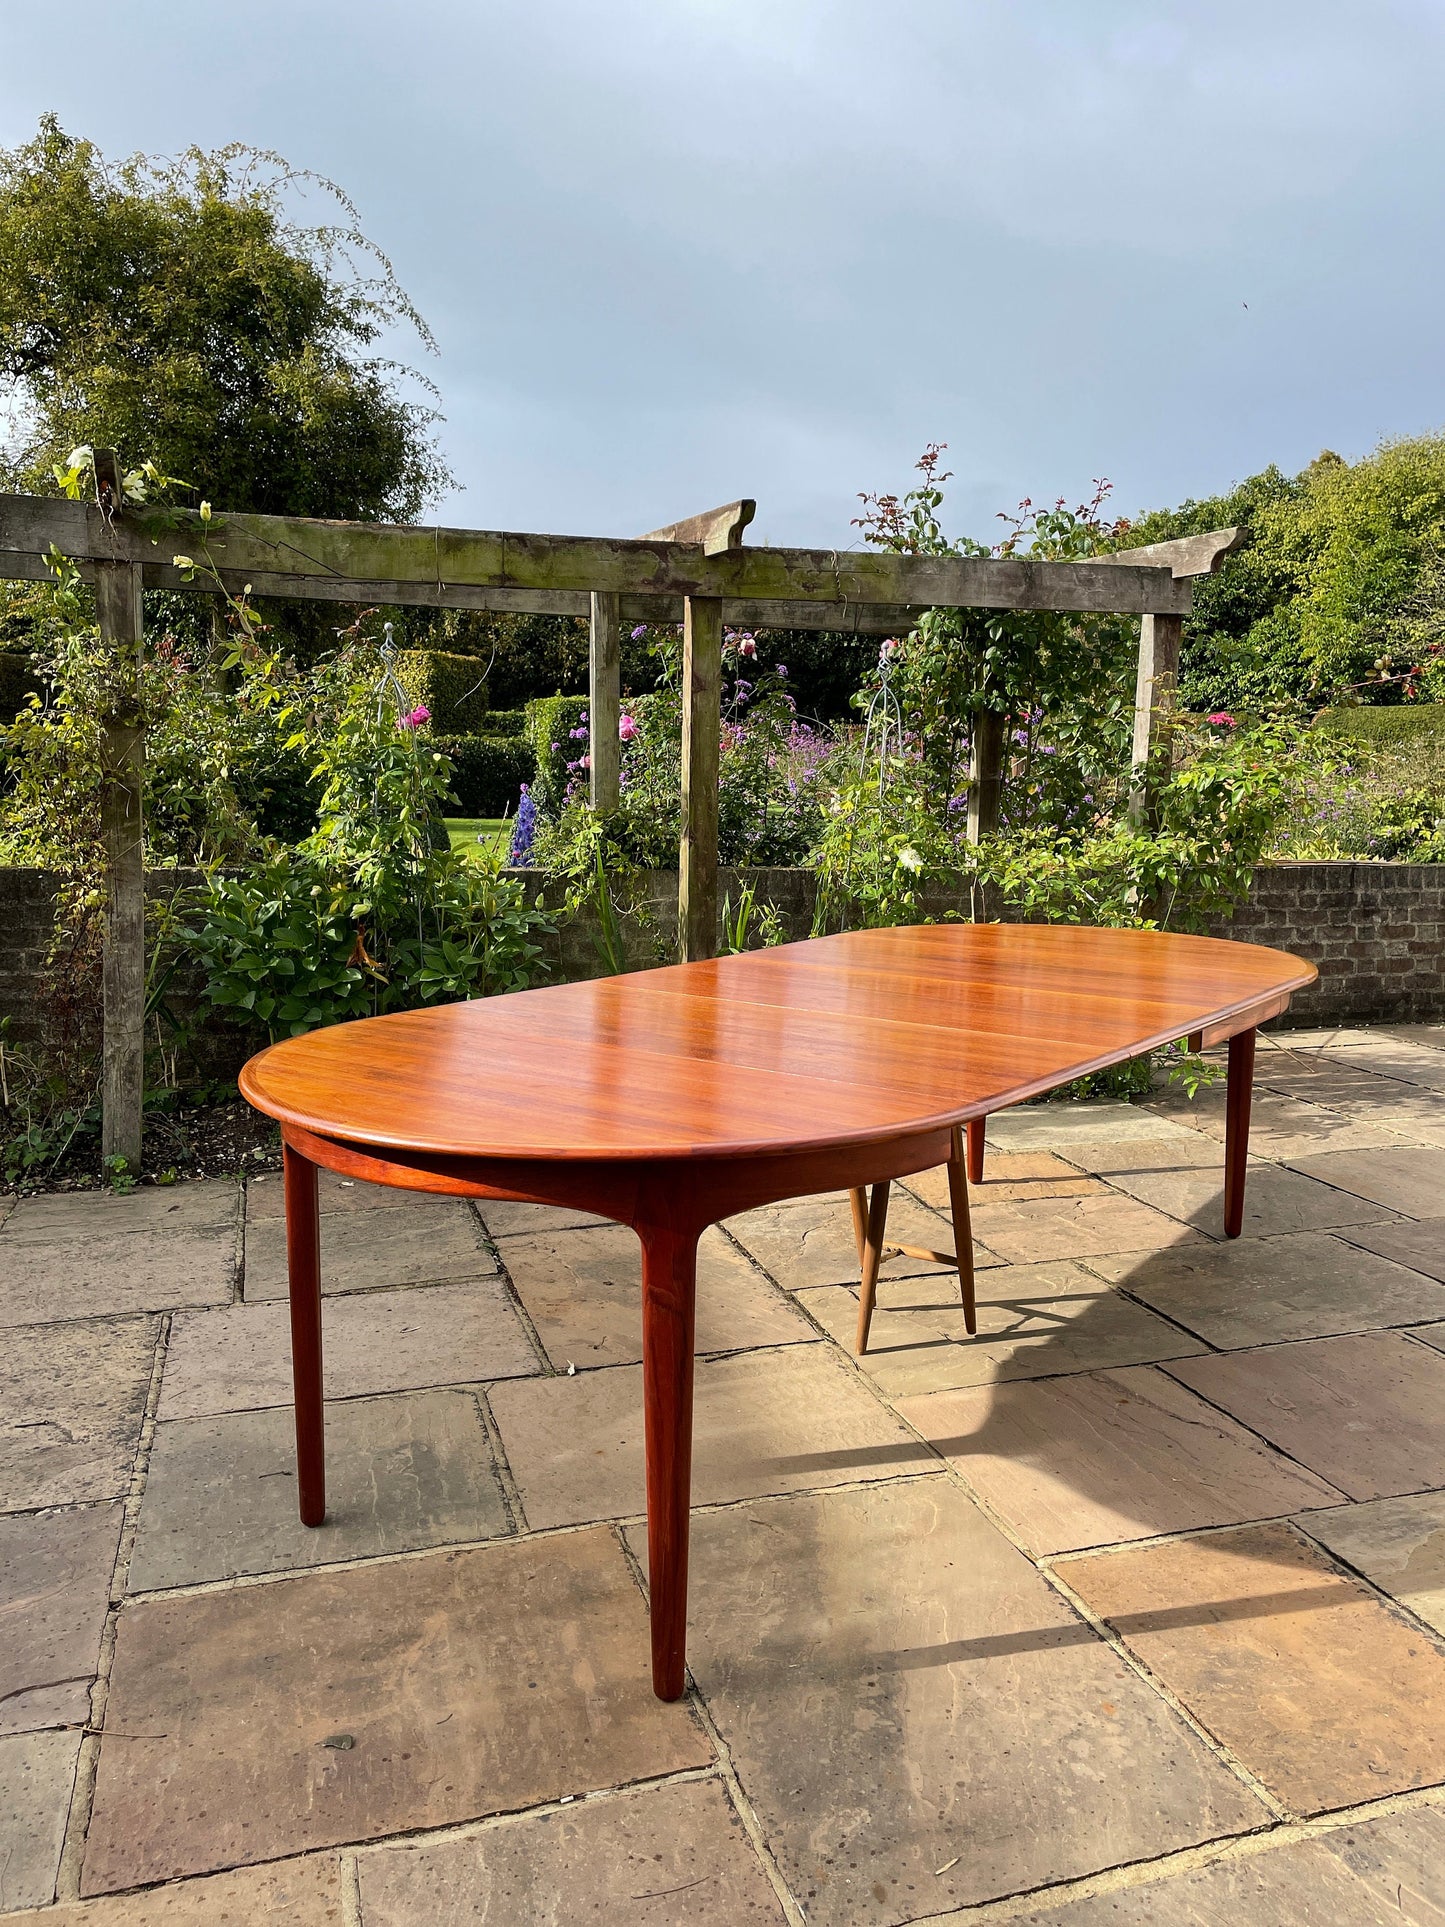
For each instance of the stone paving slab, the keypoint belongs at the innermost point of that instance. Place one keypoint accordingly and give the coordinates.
(1190, 1150)
(44, 1280)
(1046, 1228)
(583, 1291)
(37, 1776)
(1420, 1246)
(468, 1683)
(55, 1572)
(1065, 1125)
(290, 1893)
(266, 1196)
(1105, 1456)
(1255, 1291)
(1382, 1873)
(1008, 1176)
(1402, 1178)
(1398, 1544)
(1275, 1201)
(919, 1720)
(1430, 1335)
(510, 1218)
(1279, 1126)
(1406, 1110)
(652, 1859)
(810, 1241)
(402, 1474)
(1315, 1686)
(72, 1403)
(1367, 1413)
(762, 1422)
(201, 1204)
(429, 1243)
(1033, 1321)
(239, 1359)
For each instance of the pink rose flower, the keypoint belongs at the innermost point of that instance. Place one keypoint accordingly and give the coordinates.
(626, 727)
(421, 714)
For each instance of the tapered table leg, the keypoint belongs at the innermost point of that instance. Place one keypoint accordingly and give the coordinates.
(1237, 1093)
(669, 1291)
(962, 1231)
(975, 1128)
(303, 1264)
(872, 1258)
(858, 1198)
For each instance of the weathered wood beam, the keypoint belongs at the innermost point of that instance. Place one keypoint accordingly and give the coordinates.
(415, 563)
(701, 731)
(1185, 557)
(856, 619)
(123, 971)
(717, 530)
(604, 702)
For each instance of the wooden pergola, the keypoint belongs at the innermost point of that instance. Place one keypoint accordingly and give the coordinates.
(696, 572)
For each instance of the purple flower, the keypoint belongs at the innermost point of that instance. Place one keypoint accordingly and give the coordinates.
(639, 632)
(781, 669)
(524, 828)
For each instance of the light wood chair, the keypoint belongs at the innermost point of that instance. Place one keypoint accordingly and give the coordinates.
(870, 1223)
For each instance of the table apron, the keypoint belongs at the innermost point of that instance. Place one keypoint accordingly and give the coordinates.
(694, 1192)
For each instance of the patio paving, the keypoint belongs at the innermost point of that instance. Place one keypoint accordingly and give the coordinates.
(1130, 1608)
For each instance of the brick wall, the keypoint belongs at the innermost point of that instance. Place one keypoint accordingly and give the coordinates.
(1376, 931)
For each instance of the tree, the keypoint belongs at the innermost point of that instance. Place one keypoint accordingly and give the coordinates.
(175, 311)
(1325, 603)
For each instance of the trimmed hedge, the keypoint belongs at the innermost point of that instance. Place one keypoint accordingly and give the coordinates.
(487, 772)
(550, 722)
(453, 688)
(506, 722)
(1384, 726)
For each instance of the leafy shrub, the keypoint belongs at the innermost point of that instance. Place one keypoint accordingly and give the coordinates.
(487, 771)
(506, 722)
(371, 912)
(451, 688)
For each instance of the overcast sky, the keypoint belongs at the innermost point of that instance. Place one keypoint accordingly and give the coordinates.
(675, 251)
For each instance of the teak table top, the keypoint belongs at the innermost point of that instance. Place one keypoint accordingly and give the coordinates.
(845, 1040)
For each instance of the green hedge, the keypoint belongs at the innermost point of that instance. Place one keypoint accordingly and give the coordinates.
(506, 722)
(487, 772)
(451, 687)
(1384, 726)
(550, 722)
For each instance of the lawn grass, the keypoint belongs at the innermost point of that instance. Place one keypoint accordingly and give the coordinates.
(478, 835)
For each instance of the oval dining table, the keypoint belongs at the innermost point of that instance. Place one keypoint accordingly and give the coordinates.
(672, 1098)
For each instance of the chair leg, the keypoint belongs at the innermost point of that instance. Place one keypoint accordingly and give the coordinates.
(962, 1230)
(975, 1149)
(872, 1254)
(859, 1201)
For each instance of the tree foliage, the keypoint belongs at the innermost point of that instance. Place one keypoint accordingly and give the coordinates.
(174, 309)
(1339, 594)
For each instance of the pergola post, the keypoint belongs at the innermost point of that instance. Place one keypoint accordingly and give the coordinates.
(604, 699)
(1160, 639)
(702, 627)
(985, 774)
(123, 972)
